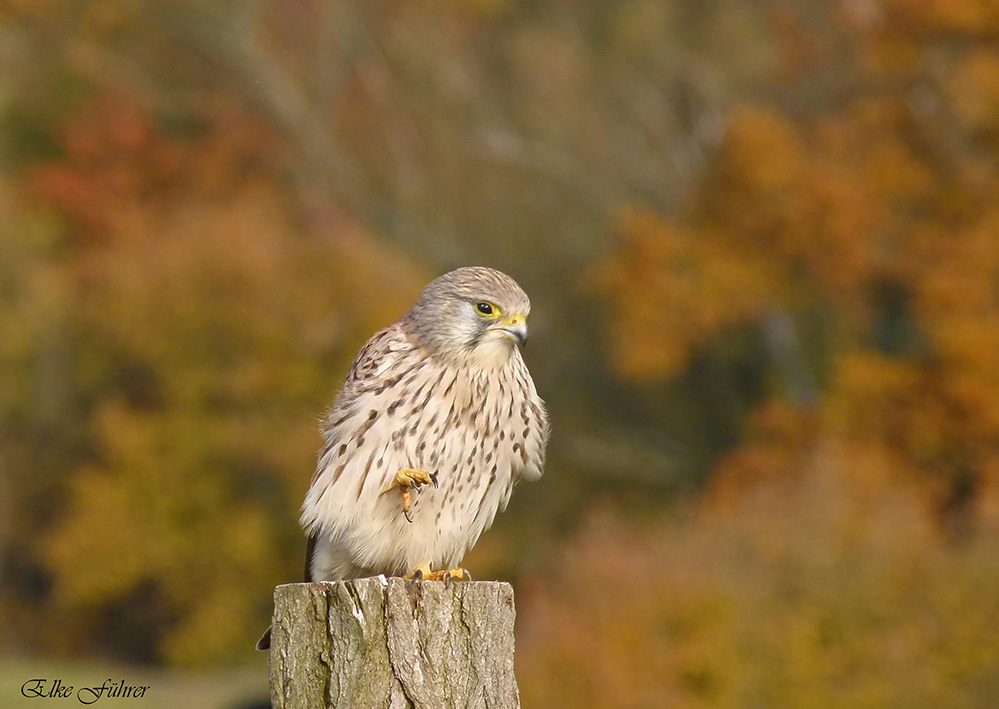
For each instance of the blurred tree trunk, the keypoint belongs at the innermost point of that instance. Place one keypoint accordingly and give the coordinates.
(395, 643)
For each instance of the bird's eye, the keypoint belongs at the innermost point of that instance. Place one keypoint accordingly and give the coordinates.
(484, 307)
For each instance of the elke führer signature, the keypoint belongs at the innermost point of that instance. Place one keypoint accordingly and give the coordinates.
(44, 689)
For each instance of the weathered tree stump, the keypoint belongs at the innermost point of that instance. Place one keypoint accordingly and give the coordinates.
(380, 642)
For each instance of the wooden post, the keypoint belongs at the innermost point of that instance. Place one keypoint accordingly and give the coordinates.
(380, 642)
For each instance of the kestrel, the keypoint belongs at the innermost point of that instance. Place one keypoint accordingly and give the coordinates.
(437, 421)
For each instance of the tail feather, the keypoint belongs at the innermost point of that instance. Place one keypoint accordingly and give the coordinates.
(265, 640)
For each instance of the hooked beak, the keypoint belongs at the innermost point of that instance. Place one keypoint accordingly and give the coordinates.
(513, 328)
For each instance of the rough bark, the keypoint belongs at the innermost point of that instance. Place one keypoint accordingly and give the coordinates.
(380, 642)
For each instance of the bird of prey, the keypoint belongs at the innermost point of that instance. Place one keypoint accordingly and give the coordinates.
(437, 421)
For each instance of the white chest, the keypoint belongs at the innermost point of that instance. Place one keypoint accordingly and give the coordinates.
(479, 435)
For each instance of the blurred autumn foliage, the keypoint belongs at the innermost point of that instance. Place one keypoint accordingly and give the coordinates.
(188, 298)
(870, 227)
(805, 593)
(761, 241)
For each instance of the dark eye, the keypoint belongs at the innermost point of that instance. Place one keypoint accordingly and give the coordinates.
(484, 308)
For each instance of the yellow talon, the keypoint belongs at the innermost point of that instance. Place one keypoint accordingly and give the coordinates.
(423, 573)
(410, 479)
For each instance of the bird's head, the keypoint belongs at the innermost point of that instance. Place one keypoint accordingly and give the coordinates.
(472, 311)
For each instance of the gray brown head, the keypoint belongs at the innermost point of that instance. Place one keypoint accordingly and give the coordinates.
(473, 311)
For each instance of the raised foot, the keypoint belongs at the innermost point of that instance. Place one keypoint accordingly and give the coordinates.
(409, 479)
(423, 573)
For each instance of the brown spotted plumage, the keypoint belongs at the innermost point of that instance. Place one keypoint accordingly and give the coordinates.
(443, 390)
(437, 421)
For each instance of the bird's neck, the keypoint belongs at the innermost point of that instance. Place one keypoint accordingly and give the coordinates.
(492, 354)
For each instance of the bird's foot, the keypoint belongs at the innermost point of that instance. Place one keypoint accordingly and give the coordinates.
(423, 573)
(407, 480)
